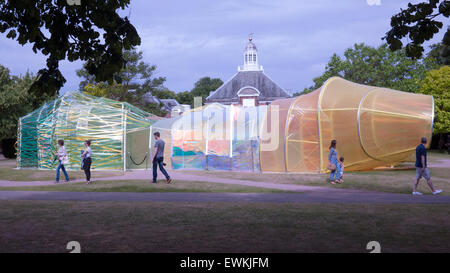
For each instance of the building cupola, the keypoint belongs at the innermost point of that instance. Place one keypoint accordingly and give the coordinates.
(250, 57)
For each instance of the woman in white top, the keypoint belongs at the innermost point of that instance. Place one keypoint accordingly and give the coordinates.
(63, 159)
(86, 155)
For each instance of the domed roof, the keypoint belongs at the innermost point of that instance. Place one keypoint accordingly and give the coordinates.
(250, 45)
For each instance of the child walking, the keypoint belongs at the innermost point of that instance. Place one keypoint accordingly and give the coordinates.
(341, 171)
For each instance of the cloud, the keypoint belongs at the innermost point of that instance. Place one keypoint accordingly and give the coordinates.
(374, 2)
(191, 39)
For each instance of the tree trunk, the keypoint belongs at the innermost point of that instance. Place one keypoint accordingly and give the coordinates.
(441, 142)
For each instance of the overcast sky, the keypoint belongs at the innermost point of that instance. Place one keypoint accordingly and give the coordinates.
(188, 40)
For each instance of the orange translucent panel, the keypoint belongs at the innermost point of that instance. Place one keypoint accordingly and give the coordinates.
(302, 135)
(338, 107)
(390, 131)
(272, 144)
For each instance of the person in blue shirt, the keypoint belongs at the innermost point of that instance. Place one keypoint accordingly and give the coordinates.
(422, 169)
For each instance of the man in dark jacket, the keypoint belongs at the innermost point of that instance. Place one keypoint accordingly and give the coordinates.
(422, 169)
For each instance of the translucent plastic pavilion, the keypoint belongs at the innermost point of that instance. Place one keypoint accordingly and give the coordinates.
(373, 126)
(119, 133)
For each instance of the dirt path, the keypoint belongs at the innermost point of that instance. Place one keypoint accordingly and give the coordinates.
(442, 163)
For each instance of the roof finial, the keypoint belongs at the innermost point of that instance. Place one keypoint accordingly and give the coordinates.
(250, 37)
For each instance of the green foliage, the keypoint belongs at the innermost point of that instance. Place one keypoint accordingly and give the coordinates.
(16, 101)
(136, 74)
(418, 23)
(185, 98)
(376, 66)
(439, 55)
(154, 108)
(437, 83)
(164, 94)
(114, 91)
(93, 32)
(204, 86)
(130, 84)
(305, 91)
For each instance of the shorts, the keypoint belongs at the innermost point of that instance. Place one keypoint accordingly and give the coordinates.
(425, 174)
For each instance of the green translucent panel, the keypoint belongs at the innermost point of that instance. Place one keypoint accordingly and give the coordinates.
(74, 118)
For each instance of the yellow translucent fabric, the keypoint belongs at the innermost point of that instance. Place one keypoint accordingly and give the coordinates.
(166, 136)
(302, 142)
(373, 127)
(338, 107)
(390, 131)
(272, 148)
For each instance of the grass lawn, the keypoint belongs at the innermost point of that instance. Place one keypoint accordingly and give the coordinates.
(399, 181)
(47, 226)
(395, 181)
(434, 156)
(8, 172)
(144, 186)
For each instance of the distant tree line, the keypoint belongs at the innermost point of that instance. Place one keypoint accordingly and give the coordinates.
(136, 80)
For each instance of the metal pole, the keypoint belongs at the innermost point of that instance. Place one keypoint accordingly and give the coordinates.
(231, 135)
(19, 145)
(206, 142)
(124, 139)
(149, 147)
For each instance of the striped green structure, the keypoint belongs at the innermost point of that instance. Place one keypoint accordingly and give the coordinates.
(112, 126)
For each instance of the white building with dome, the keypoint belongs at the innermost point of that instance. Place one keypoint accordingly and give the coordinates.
(249, 86)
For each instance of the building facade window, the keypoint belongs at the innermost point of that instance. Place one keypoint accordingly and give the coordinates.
(248, 102)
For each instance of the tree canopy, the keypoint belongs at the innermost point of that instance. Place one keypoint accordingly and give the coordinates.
(419, 22)
(15, 102)
(135, 74)
(437, 84)
(92, 31)
(130, 84)
(376, 66)
(203, 86)
(185, 98)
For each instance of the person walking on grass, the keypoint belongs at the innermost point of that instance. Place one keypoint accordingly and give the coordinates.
(333, 165)
(158, 158)
(86, 164)
(63, 160)
(422, 169)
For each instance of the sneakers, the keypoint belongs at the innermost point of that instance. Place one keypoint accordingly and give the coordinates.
(437, 192)
(169, 180)
(417, 193)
